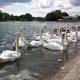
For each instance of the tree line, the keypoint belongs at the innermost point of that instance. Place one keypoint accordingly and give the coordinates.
(52, 16)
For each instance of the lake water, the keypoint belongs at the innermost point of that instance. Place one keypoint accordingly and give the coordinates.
(36, 63)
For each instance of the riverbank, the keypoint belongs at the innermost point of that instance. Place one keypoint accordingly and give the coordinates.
(74, 74)
(69, 71)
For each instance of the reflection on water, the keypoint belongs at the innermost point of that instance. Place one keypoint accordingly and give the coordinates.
(36, 63)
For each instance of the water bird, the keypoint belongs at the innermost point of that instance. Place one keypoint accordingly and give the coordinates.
(73, 35)
(54, 45)
(9, 55)
(22, 41)
(35, 43)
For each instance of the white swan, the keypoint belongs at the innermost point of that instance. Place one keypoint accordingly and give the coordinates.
(55, 36)
(78, 35)
(58, 39)
(9, 55)
(45, 36)
(22, 41)
(35, 43)
(54, 45)
(73, 37)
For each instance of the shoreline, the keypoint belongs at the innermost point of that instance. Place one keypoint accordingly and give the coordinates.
(66, 70)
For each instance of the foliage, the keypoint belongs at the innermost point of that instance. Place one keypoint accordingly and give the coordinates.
(52, 16)
(38, 18)
(26, 17)
(79, 18)
(6, 17)
(55, 15)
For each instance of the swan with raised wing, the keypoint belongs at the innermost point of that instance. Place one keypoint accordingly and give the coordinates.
(9, 55)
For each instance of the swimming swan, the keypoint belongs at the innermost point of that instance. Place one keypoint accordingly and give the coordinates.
(54, 45)
(35, 43)
(22, 41)
(9, 55)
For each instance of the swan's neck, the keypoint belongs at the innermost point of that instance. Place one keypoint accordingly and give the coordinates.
(66, 36)
(17, 42)
(22, 32)
(63, 40)
(76, 34)
(22, 35)
(41, 37)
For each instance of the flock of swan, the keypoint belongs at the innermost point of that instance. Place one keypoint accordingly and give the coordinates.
(54, 39)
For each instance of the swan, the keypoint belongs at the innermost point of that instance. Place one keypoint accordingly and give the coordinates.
(73, 37)
(45, 36)
(9, 55)
(78, 35)
(54, 45)
(35, 43)
(55, 36)
(22, 41)
(58, 39)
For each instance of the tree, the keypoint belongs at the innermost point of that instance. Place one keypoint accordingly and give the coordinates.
(51, 17)
(0, 15)
(6, 16)
(79, 18)
(28, 17)
(12, 17)
(55, 15)
(64, 14)
(38, 18)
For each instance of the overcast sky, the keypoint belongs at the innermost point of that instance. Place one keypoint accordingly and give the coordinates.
(39, 7)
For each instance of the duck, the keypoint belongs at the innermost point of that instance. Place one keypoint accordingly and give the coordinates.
(9, 55)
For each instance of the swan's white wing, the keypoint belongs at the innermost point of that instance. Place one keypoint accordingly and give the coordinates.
(35, 43)
(8, 55)
(53, 46)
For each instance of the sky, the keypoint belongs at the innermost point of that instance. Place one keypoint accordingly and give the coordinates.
(40, 7)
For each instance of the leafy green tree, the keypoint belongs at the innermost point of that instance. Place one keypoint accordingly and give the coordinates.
(12, 17)
(64, 14)
(0, 15)
(6, 16)
(38, 18)
(22, 17)
(52, 16)
(79, 18)
(55, 15)
(28, 17)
